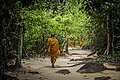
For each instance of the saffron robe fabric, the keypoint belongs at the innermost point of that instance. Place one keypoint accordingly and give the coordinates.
(72, 43)
(53, 48)
(81, 43)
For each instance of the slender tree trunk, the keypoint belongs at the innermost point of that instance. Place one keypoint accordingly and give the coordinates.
(67, 43)
(20, 46)
(5, 59)
(43, 40)
(110, 34)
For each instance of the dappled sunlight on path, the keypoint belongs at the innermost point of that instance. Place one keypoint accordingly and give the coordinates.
(65, 68)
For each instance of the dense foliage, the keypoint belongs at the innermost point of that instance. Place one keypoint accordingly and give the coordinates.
(40, 22)
(27, 24)
(105, 17)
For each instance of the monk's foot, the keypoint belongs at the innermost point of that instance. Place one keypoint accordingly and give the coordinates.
(53, 66)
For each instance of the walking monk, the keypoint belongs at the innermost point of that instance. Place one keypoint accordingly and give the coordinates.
(81, 42)
(53, 48)
(72, 44)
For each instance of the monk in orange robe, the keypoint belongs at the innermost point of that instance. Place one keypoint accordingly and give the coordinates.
(53, 49)
(72, 44)
(81, 43)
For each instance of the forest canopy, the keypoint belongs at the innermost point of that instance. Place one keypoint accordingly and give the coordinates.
(27, 24)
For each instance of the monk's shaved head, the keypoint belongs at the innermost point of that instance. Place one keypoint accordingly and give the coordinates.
(52, 35)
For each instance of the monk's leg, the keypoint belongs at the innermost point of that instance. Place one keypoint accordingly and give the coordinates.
(54, 58)
(52, 62)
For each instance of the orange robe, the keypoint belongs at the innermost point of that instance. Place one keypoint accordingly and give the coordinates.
(72, 43)
(53, 48)
(81, 43)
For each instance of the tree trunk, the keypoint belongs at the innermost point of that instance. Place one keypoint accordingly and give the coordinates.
(66, 43)
(110, 34)
(20, 46)
(5, 53)
(43, 40)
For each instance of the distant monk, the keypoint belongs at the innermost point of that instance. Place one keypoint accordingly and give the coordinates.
(73, 44)
(81, 42)
(53, 48)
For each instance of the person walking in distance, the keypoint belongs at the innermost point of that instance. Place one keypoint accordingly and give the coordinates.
(53, 48)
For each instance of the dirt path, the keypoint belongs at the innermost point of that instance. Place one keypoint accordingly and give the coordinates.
(43, 71)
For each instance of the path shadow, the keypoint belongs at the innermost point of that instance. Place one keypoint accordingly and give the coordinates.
(84, 59)
(78, 54)
(57, 66)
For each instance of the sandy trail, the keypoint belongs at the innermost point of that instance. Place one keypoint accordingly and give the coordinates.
(43, 66)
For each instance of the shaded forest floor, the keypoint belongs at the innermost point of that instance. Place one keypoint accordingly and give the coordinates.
(40, 68)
